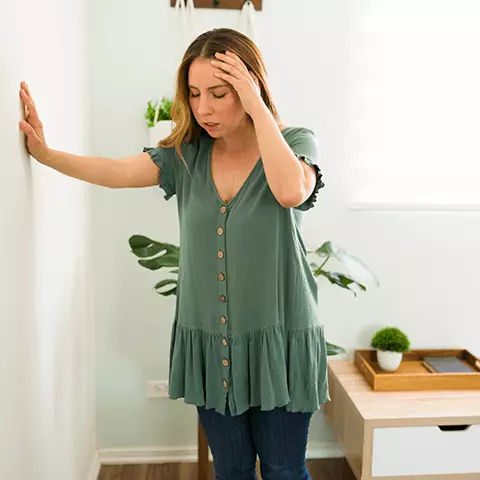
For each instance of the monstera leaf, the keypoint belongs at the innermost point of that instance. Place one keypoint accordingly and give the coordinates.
(343, 280)
(155, 255)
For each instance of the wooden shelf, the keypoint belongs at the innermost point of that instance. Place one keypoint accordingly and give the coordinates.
(222, 4)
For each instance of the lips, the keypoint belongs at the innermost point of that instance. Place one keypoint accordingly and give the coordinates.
(211, 124)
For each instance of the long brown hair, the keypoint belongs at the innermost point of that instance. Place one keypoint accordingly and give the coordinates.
(186, 127)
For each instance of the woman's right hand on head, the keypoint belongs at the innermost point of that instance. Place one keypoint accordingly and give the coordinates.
(32, 126)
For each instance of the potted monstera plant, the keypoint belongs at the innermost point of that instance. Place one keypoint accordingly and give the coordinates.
(155, 255)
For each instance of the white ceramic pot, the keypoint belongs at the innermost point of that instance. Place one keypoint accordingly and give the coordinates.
(389, 361)
(162, 129)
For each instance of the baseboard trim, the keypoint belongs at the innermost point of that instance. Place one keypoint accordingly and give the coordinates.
(95, 467)
(148, 455)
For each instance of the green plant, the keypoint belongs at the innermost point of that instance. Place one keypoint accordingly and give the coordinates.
(164, 112)
(391, 339)
(155, 255)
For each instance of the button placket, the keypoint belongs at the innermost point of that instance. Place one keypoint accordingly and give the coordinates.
(224, 348)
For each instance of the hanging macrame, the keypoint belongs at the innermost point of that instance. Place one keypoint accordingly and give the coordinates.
(185, 20)
(183, 35)
(247, 23)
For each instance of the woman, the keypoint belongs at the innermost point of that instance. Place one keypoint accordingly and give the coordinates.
(246, 347)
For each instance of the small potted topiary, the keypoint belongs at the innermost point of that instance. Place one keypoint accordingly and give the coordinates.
(390, 343)
(159, 120)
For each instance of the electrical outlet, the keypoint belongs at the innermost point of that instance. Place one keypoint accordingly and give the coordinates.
(158, 389)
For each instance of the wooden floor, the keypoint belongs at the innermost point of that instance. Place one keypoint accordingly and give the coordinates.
(324, 469)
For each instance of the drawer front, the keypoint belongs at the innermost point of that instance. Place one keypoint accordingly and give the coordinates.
(425, 450)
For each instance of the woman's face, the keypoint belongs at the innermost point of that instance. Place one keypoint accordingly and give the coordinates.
(213, 100)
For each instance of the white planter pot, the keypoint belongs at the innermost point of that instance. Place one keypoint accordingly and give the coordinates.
(162, 129)
(389, 361)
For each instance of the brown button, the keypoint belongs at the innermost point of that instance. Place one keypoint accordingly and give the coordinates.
(225, 362)
(223, 319)
(224, 341)
(223, 209)
(221, 277)
(223, 298)
(225, 384)
(220, 231)
(220, 254)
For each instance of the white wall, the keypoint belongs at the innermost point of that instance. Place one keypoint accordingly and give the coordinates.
(427, 262)
(46, 306)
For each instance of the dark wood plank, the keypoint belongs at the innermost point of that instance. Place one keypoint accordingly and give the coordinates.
(135, 472)
(167, 470)
(347, 471)
(222, 4)
(320, 469)
(326, 469)
(111, 472)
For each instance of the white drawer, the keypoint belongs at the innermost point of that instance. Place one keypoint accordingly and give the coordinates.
(427, 450)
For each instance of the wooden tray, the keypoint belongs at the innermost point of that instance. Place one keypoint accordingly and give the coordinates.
(414, 374)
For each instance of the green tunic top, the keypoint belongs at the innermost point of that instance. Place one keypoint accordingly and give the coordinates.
(246, 330)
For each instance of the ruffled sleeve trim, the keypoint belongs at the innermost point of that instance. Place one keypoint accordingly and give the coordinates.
(310, 201)
(166, 178)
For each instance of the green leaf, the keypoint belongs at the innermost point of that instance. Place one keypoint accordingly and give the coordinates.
(163, 283)
(156, 254)
(326, 250)
(139, 241)
(163, 261)
(391, 339)
(164, 111)
(354, 264)
(342, 280)
(334, 349)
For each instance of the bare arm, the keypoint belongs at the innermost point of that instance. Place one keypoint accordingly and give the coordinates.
(291, 181)
(129, 172)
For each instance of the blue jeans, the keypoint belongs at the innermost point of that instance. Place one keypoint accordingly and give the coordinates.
(278, 437)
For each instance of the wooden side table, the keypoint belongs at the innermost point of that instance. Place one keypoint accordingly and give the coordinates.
(421, 435)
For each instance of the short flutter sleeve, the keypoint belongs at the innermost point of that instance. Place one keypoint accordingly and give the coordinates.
(304, 145)
(165, 159)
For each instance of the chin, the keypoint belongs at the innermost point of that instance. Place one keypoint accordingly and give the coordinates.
(213, 133)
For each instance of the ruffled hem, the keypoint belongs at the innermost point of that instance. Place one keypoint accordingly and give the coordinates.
(158, 157)
(309, 202)
(268, 368)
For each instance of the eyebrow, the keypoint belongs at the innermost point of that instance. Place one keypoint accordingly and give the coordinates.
(211, 88)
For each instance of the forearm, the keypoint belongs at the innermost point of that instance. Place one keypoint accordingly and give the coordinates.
(285, 174)
(105, 172)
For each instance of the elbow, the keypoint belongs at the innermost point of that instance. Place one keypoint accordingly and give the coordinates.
(292, 198)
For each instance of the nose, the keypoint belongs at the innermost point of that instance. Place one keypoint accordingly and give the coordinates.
(204, 105)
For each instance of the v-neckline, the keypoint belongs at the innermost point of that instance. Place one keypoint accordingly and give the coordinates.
(212, 183)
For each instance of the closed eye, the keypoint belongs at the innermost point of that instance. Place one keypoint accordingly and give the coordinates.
(215, 96)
